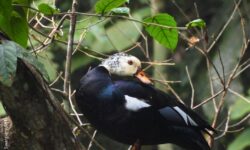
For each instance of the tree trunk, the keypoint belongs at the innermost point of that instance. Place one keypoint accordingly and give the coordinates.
(39, 121)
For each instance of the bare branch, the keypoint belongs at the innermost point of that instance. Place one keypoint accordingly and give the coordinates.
(226, 127)
(192, 87)
(70, 47)
(239, 95)
(208, 99)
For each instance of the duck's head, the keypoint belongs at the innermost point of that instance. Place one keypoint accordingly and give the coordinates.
(122, 64)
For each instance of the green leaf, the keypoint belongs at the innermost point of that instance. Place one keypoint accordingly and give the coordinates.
(24, 2)
(168, 37)
(79, 62)
(6, 8)
(19, 29)
(5, 14)
(9, 52)
(23, 54)
(21, 10)
(8, 61)
(196, 23)
(46, 58)
(13, 23)
(104, 6)
(119, 36)
(241, 142)
(2, 110)
(34, 61)
(47, 9)
(121, 10)
(239, 109)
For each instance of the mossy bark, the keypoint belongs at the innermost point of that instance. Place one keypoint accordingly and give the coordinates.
(39, 121)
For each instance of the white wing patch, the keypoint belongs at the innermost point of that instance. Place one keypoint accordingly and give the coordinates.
(134, 104)
(188, 120)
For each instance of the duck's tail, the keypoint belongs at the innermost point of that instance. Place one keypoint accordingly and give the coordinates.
(191, 139)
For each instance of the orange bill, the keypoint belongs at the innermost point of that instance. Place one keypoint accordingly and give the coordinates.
(143, 77)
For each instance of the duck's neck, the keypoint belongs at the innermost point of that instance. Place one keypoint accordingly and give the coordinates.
(105, 66)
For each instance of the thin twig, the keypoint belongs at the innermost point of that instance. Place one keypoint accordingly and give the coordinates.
(130, 147)
(164, 81)
(58, 90)
(239, 95)
(143, 36)
(222, 66)
(240, 122)
(231, 131)
(90, 55)
(224, 27)
(92, 139)
(73, 107)
(57, 78)
(181, 10)
(51, 35)
(226, 127)
(192, 88)
(132, 47)
(211, 83)
(86, 132)
(229, 81)
(162, 63)
(82, 36)
(169, 87)
(244, 36)
(205, 55)
(242, 70)
(208, 99)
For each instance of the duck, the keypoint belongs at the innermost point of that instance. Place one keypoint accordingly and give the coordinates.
(121, 102)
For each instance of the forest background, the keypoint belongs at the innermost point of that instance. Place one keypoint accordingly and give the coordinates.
(197, 50)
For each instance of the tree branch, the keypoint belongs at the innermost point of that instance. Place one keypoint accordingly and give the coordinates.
(70, 49)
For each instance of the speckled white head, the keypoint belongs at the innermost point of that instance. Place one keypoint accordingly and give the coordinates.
(122, 64)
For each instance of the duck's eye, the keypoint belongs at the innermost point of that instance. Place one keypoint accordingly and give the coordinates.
(130, 62)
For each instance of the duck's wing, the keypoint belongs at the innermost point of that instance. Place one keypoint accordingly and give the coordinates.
(140, 96)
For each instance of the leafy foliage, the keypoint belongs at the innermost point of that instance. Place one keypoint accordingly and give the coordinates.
(34, 61)
(121, 10)
(2, 111)
(5, 14)
(239, 109)
(241, 142)
(196, 23)
(8, 62)
(13, 22)
(19, 27)
(9, 52)
(24, 2)
(164, 30)
(104, 6)
(107, 35)
(47, 9)
(122, 33)
(50, 67)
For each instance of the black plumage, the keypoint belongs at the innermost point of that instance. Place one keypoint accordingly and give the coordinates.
(154, 118)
